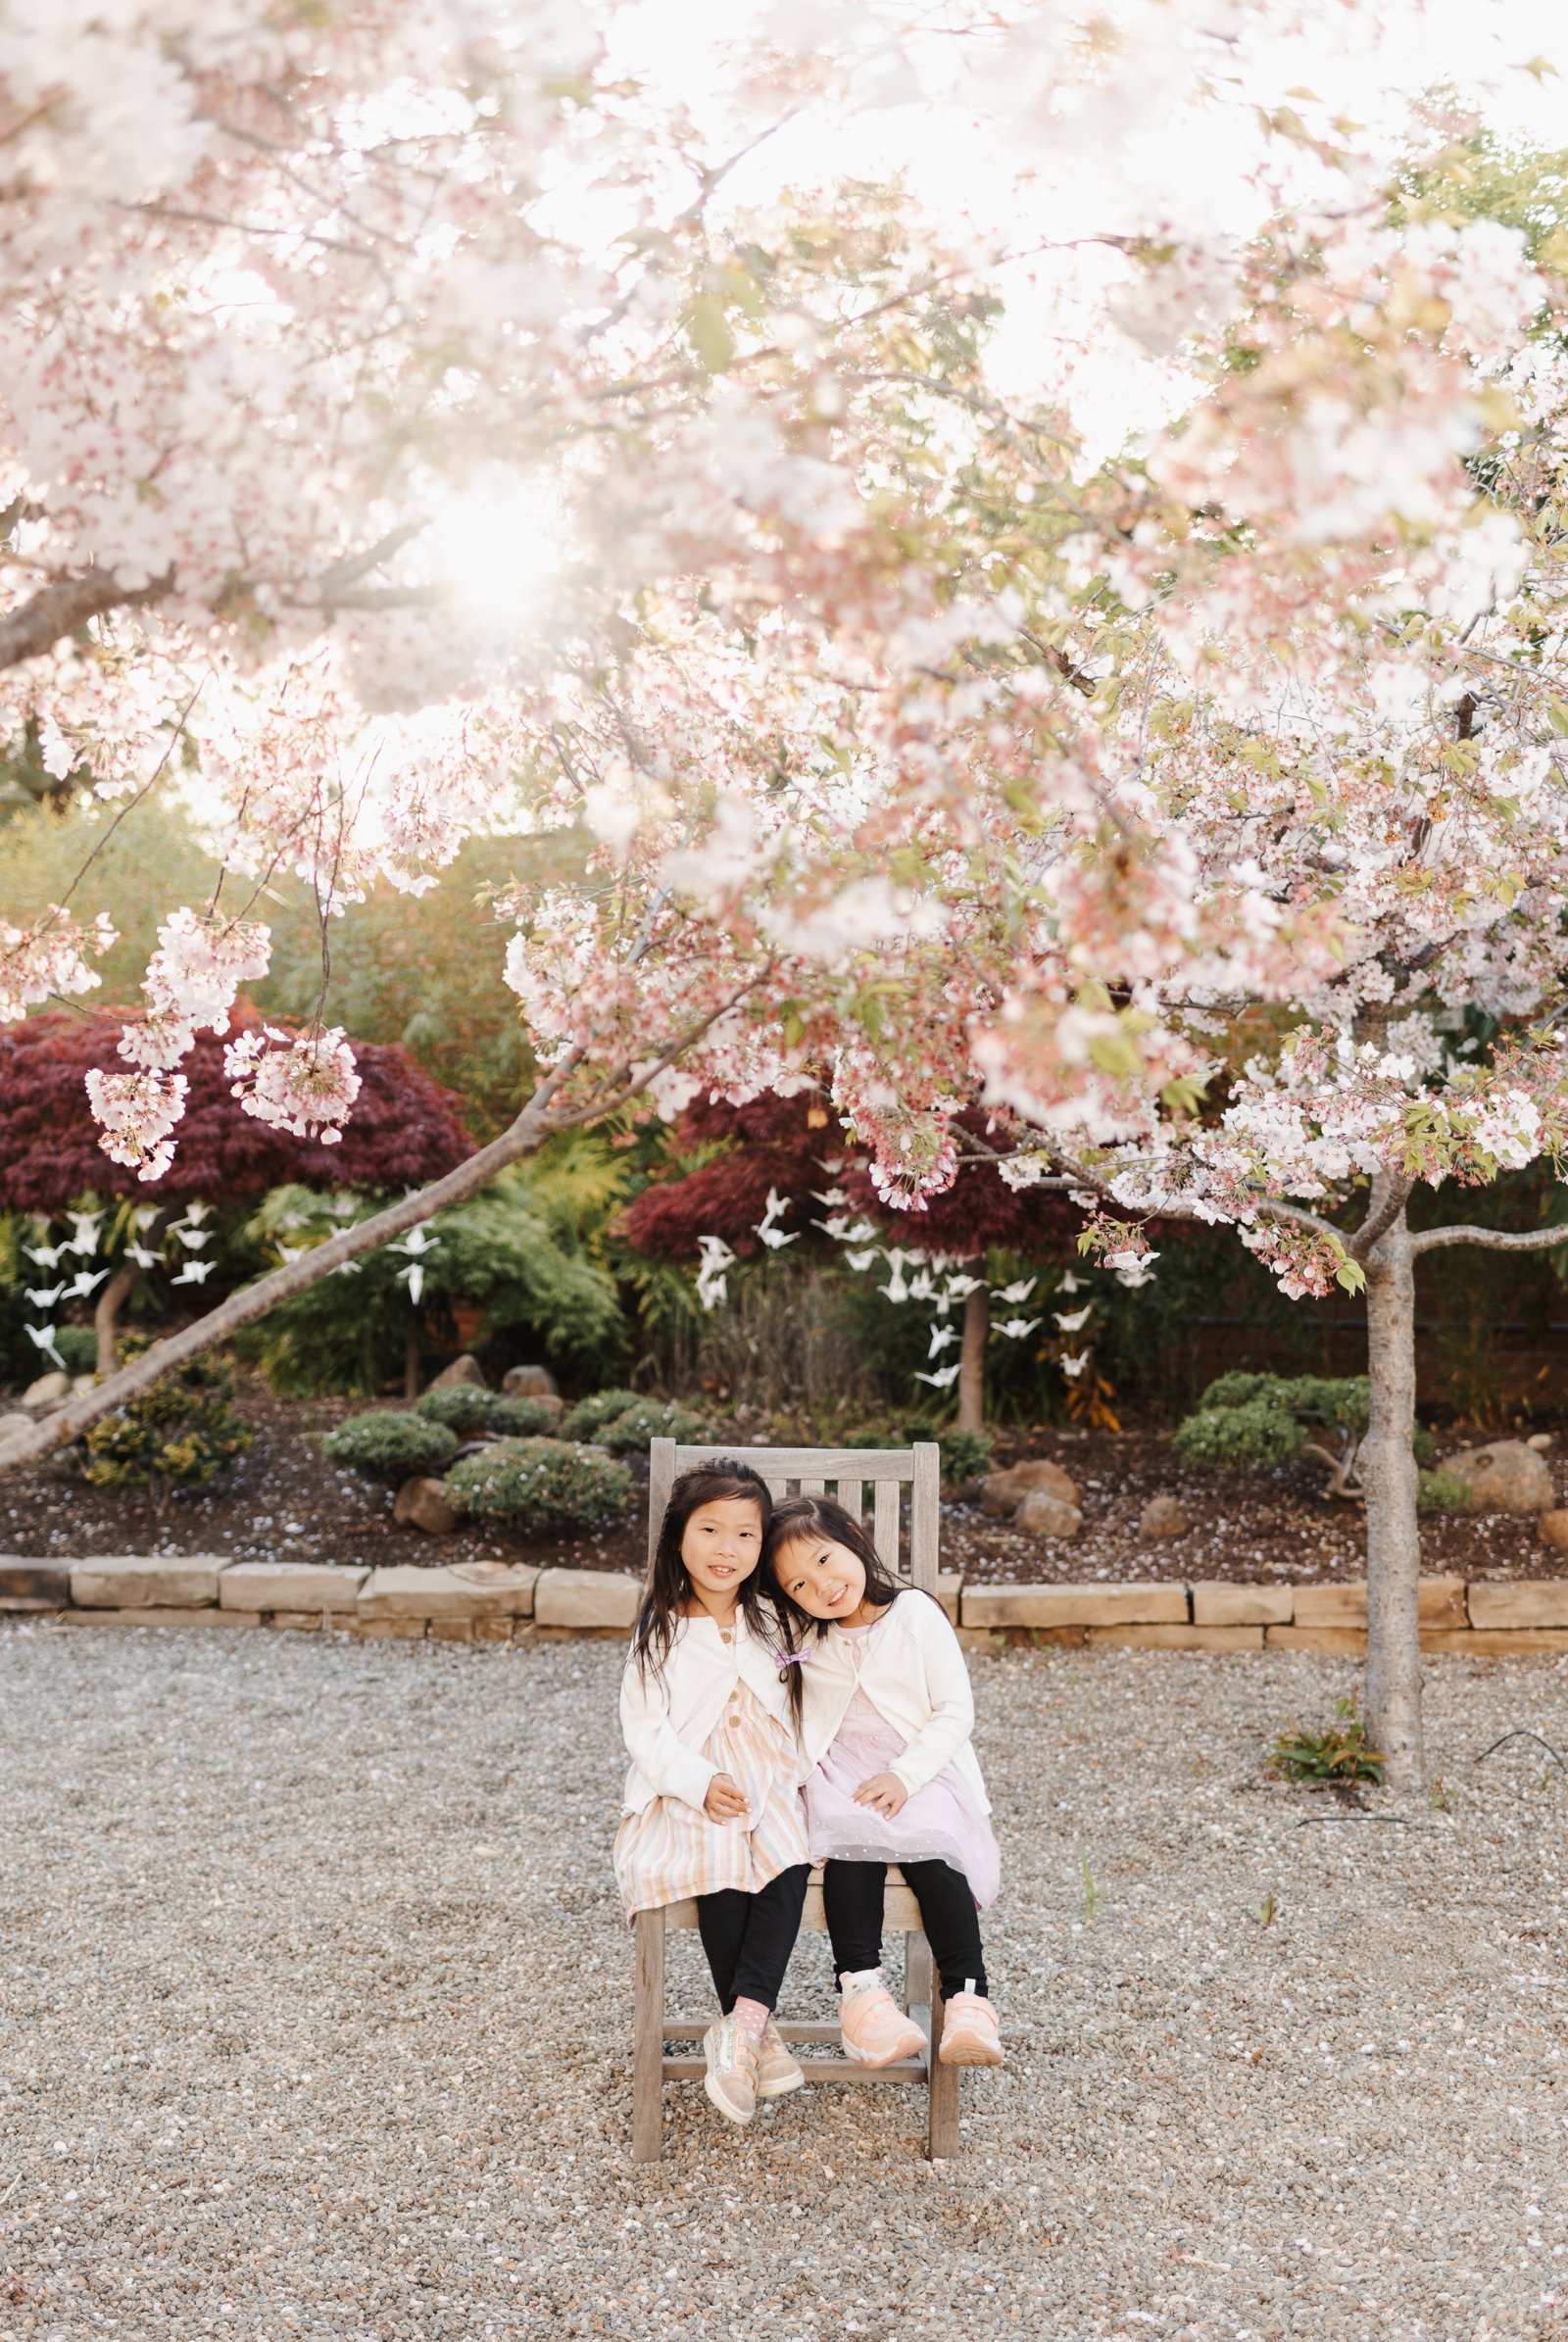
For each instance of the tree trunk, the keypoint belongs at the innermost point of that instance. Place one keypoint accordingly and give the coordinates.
(106, 1316)
(1388, 1470)
(972, 1354)
(411, 1354)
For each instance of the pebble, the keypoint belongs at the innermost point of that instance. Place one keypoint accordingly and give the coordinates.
(314, 2020)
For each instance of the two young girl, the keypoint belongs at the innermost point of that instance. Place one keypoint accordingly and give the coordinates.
(773, 1648)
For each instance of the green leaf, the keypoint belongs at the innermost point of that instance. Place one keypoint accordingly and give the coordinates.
(710, 333)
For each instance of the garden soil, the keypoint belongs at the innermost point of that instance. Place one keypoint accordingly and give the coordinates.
(282, 1502)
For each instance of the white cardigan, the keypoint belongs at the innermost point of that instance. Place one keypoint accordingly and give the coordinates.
(914, 1677)
(666, 1713)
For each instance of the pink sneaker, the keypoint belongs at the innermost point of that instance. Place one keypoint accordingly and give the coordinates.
(970, 2035)
(873, 2028)
(778, 2070)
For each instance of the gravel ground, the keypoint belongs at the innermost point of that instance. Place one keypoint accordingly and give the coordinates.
(308, 2029)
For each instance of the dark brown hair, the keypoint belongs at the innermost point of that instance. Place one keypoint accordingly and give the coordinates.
(669, 1587)
(796, 1521)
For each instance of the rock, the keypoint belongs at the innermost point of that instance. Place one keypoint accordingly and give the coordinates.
(296, 1589)
(1541, 1440)
(1552, 1530)
(478, 1589)
(603, 1599)
(1163, 1516)
(462, 1370)
(529, 1381)
(1044, 1515)
(1506, 1476)
(1073, 1605)
(49, 1390)
(424, 1504)
(554, 1406)
(1002, 1492)
(1538, 1602)
(11, 1421)
(137, 1581)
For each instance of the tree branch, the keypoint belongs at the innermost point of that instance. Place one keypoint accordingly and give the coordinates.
(65, 603)
(1380, 1217)
(1493, 1239)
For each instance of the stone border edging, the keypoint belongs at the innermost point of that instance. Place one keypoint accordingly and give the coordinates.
(513, 1601)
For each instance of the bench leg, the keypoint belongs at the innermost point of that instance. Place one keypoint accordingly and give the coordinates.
(942, 2087)
(918, 1972)
(648, 2042)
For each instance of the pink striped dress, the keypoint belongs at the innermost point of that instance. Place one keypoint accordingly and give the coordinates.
(670, 1850)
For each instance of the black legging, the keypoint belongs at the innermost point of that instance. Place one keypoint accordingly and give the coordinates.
(749, 1939)
(852, 1905)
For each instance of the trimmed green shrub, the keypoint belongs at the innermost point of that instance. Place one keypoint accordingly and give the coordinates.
(79, 1347)
(391, 1446)
(1251, 1421)
(466, 1408)
(629, 1434)
(1442, 1493)
(966, 1455)
(588, 1418)
(539, 1484)
(179, 1433)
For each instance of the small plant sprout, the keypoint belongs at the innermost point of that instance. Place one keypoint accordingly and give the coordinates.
(1334, 1759)
(1262, 1912)
(1094, 1896)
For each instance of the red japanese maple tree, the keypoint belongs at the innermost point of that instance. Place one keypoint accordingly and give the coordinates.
(794, 1149)
(407, 1130)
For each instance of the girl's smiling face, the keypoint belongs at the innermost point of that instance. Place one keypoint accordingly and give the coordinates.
(825, 1580)
(720, 1548)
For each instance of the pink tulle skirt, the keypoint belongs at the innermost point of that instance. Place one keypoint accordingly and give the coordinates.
(943, 1822)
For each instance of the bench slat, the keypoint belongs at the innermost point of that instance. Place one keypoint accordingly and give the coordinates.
(808, 1463)
(814, 2069)
(900, 1910)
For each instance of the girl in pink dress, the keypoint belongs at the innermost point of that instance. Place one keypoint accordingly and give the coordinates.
(885, 1712)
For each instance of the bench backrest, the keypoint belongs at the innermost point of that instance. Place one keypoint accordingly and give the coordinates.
(841, 1472)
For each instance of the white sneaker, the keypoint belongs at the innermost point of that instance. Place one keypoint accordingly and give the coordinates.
(731, 2077)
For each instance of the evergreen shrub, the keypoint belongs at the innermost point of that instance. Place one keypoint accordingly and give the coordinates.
(391, 1446)
(539, 1484)
(178, 1433)
(628, 1432)
(466, 1408)
(588, 1418)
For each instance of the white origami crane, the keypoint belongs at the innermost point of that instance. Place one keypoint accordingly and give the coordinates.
(1073, 1321)
(142, 1256)
(942, 1378)
(861, 1260)
(196, 1213)
(45, 1255)
(412, 1277)
(44, 1337)
(1016, 1328)
(192, 1237)
(1069, 1282)
(713, 1284)
(832, 1200)
(775, 1238)
(144, 1215)
(194, 1272)
(941, 1337)
(84, 1231)
(44, 1296)
(82, 1285)
(1073, 1368)
(960, 1288)
(1019, 1291)
(288, 1252)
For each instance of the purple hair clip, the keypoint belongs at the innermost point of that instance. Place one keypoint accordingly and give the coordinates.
(793, 1659)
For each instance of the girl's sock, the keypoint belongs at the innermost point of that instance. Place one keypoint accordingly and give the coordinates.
(754, 2016)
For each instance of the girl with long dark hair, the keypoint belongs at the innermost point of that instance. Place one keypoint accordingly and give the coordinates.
(711, 1806)
(884, 1710)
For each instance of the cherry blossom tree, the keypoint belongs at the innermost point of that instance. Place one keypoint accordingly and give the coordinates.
(919, 747)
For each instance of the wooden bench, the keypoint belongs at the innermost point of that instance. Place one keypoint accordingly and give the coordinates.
(843, 1472)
